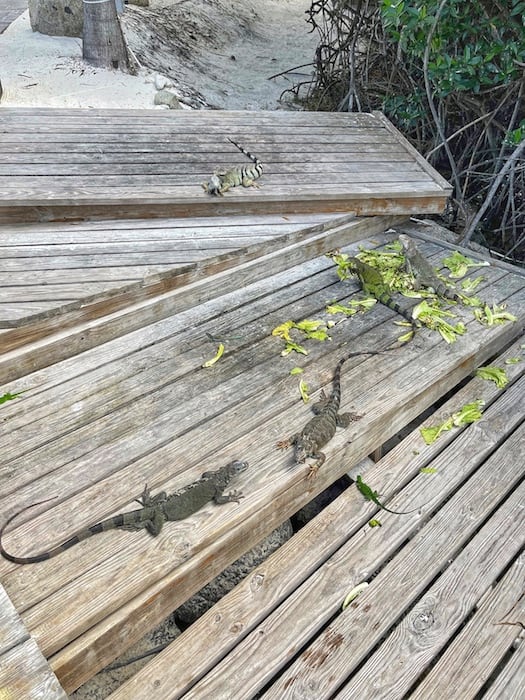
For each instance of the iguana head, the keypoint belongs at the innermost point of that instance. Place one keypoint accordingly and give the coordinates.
(405, 241)
(214, 185)
(236, 467)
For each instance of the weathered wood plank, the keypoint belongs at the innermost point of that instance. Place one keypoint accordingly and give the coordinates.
(100, 321)
(309, 158)
(471, 659)
(70, 258)
(12, 631)
(179, 194)
(352, 635)
(188, 658)
(24, 672)
(509, 682)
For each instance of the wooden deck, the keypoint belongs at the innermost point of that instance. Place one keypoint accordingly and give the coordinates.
(106, 325)
(62, 164)
(92, 429)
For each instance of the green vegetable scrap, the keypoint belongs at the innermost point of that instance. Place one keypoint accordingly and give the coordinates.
(303, 389)
(354, 593)
(352, 308)
(311, 330)
(434, 318)
(374, 523)
(513, 360)
(388, 263)
(218, 355)
(493, 374)
(296, 370)
(428, 470)
(467, 414)
(495, 316)
(9, 397)
(373, 496)
(469, 285)
(458, 264)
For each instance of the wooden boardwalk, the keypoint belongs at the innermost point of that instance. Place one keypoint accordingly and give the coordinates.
(106, 326)
(57, 164)
(141, 408)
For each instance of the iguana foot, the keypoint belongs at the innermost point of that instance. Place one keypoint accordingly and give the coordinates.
(344, 419)
(312, 471)
(283, 444)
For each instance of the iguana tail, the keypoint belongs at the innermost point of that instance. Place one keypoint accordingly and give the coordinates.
(387, 300)
(258, 165)
(122, 520)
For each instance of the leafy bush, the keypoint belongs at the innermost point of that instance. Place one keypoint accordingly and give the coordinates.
(451, 75)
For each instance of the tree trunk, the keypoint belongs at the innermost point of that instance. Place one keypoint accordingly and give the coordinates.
(103, 41)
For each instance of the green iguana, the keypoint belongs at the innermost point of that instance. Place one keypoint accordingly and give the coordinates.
(223, 180)
(321, 428)
(423, 272)
(155, 511)
(373, 283)
(373, 496)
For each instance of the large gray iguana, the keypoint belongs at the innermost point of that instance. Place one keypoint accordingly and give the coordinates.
(155, 511)
(423, 272)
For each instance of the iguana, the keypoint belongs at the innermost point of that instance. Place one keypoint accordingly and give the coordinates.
(223, 180)
(155, 511)
(373, 283)
(321, 428)
(423, 272)
(373, 496)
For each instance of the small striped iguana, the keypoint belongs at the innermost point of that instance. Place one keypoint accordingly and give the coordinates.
(423, 272)
(373, 283)
(223, 180)
(155, 511)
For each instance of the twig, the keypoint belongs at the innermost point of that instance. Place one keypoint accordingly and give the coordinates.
(496, 183)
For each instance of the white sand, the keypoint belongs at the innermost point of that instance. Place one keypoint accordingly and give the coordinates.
(195, 49)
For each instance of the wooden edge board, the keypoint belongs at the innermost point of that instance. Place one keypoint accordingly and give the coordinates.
(371, 205)
(418, 157)
(83, 331)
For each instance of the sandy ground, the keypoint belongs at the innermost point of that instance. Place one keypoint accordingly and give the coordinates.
(216, 53)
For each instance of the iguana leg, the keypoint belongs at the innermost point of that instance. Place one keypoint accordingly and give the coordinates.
(285, 444)
(147, 499)
(228, 498)
(248, 182)
(343, 420)
(314, 468)
(153, 525)
(318, 406)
